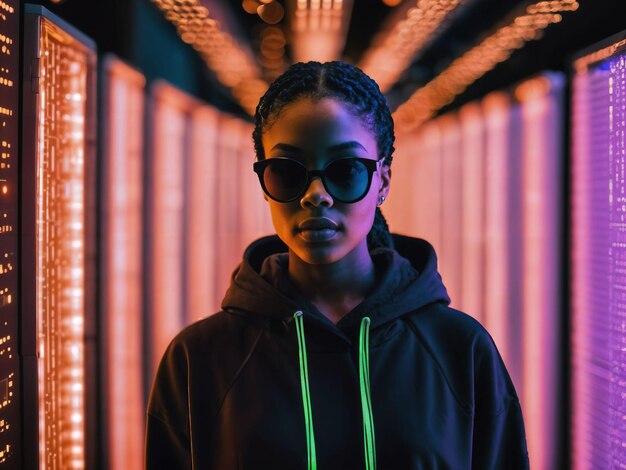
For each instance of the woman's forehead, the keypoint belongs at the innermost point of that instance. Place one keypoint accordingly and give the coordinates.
(326, 123)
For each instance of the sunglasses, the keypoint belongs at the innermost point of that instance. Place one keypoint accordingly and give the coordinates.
(346, 180)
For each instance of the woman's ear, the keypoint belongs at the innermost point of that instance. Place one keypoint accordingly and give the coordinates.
(385, 180)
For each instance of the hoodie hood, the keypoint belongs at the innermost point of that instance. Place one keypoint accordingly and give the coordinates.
(408, 280)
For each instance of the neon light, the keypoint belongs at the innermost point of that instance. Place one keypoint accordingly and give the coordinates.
(61, 248)
(122, 258)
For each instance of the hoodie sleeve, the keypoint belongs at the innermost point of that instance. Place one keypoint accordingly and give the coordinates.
(499, 439)
(167, 442)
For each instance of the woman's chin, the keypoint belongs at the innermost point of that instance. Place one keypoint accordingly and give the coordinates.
(317, 253)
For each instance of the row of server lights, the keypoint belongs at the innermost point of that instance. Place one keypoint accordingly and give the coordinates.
(179, 204)
(526, 206)
(485, 185)
(130, 219)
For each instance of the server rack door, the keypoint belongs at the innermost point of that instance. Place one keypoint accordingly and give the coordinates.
(58, 249)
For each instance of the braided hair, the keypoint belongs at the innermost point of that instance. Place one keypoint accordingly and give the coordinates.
(343, 82)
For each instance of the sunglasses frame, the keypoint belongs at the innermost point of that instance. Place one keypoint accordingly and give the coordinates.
(371, 166)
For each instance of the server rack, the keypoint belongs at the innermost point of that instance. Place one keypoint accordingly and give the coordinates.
(57, 253)
(12, 446)
(598, 256)
(520, 136)
(120, 266)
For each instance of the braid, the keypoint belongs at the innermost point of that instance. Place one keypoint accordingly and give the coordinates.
(349, 85)
(379, 236)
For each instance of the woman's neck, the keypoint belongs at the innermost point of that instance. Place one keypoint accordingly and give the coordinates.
(336, 288)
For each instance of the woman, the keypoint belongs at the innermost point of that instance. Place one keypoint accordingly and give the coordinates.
(336, 347)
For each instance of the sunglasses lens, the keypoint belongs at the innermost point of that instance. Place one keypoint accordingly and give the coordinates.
(347, 179)
(284, 179)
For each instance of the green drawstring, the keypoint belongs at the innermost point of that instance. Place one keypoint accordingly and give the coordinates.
(364, 382)
(366, 399)
(306, 396)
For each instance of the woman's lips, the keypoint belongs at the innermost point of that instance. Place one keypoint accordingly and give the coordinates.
(318, 229)
(318, 235)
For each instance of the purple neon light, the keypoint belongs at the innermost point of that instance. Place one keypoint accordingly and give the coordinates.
(599, 265)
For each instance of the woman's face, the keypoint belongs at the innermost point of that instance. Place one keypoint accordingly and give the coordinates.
(316, 228)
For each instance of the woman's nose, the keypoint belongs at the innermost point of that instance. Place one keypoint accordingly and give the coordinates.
(316, 194)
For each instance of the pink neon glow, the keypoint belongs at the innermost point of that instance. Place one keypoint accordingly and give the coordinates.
(229, 214)
(416, 171)
(451, 259)
(430, 195)
(472, 209)
(202, 177)
(504, 195)
(122, 188)
(503, 226)
(407, 184)
(599, 247)
(319, 29)
(167, 192)
(541, 151)
(582, 207)
(256, 220)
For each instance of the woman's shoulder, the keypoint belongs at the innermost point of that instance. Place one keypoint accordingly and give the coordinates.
(439, 320)
(216, 332)
(466, 354)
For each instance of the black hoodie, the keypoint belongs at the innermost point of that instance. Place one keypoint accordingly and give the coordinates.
(228, 392)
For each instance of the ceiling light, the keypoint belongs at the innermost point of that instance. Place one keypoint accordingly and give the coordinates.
(271, 12)
(319, 29)
(233, 65)
(472, 65)
(250, 6)
(393, 51)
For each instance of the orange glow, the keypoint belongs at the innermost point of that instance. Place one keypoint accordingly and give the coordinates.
(394, 50)
(122, 248)
(203, 178)
(533, 89)
(472, 65)
(61, 242)
(272, 48)
(241, 213)
(232, 62)
(271, 12)
(250, 6)
(417, 178)
(319, 29)
(229, 210)
(472, 151)
(583, 63)
(450, 254)
(255, 220)
(166, 200)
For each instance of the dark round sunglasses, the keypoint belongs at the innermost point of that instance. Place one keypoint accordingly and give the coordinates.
(346, 179)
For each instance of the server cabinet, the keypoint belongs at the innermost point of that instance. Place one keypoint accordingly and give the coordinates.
(598, 256)
(121, 269)
(12, 447)
(57, 253)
